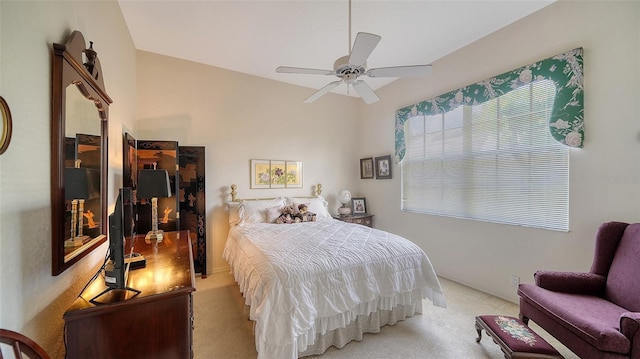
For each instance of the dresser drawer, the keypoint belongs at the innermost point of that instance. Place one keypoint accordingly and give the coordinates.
(365, 220)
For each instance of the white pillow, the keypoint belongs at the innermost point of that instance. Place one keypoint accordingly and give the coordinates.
(273, 213)
(234, 216)
(255, 211)
(316, 205)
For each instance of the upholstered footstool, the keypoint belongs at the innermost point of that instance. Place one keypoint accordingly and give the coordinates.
(515, 338)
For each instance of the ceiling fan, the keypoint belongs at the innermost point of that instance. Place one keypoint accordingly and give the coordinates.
(349, 68)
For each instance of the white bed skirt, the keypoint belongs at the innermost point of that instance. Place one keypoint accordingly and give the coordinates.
(340, 329)
(362, 324)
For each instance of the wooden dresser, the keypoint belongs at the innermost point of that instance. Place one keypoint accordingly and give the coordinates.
(157, 323)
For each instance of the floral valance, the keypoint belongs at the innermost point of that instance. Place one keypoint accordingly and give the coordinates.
(566, 122)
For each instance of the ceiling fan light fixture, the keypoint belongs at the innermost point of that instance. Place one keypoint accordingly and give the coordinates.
(342, 68)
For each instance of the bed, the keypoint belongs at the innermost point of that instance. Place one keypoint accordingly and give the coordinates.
(322, 283)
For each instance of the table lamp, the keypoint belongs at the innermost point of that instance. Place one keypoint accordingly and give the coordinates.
(344, 198)
(79, 185)
(153, 183)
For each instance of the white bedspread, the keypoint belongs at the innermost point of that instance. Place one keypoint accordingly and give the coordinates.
(309, 278)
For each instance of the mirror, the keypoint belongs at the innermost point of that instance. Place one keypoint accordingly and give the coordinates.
(79, 153)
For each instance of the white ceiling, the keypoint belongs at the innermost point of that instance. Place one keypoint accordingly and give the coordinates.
(256, 36)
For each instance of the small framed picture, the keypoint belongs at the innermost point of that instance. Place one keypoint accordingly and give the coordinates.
(358, 205)
(366, 168)
(383, 167)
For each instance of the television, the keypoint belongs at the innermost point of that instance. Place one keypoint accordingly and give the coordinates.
(120, 222)
(121, 227)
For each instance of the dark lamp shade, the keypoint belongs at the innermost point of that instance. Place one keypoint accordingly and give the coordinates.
(81, 183)
(153, 183)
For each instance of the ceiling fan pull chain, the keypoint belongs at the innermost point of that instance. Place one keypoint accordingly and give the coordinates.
(349, 44)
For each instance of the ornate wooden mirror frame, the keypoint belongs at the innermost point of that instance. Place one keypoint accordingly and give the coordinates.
(77, 71)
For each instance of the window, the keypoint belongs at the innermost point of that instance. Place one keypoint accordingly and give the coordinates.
(493, 161)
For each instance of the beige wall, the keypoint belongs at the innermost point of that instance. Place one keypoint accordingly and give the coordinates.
(32, 301)
(604, 175)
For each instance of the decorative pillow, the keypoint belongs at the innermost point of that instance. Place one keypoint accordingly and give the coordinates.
(316, 205)
(255, 211)
(273, 213)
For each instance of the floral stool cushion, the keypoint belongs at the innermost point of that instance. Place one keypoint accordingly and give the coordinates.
(515, 338)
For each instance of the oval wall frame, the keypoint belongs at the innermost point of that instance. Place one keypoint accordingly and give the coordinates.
(5, 131)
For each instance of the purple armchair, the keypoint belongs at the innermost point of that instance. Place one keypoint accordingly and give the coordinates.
(594, 314)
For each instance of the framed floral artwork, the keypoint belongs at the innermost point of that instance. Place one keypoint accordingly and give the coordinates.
(294, 174)
(260, 174)
(383, 167)
(366, 168)
(276, 174)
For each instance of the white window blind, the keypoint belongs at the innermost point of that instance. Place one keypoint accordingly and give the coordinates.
(494, 161)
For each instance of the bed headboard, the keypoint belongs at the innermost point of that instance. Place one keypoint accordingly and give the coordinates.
(317, 191)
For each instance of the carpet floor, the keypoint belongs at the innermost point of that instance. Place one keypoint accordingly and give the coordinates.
(222, 330)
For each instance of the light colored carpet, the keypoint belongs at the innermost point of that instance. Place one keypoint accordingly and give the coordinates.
(222, 329)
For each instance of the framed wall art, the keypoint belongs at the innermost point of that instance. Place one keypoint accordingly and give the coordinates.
(294, 174)
(260, 174)
(276, 174)
(358, 205)
(383, 167)
(366, 167)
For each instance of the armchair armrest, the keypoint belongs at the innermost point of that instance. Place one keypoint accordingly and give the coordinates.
(630, 328)
(571, 282)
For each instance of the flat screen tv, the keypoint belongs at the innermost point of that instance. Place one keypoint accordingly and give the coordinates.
(115, 270)
(121, 227)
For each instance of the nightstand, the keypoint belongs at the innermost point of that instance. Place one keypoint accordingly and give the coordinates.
(363, 219)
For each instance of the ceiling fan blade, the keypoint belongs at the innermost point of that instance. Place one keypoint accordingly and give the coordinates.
(322, 91)
(363, 47)
(365, 92)
(399, 71)
(302, 70)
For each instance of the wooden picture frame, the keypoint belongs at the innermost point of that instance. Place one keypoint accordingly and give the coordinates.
(366, 168)
(358, 205)
(7, 125)
(383, 167)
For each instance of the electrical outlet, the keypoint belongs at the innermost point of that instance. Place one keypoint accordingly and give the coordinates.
(515, 281)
